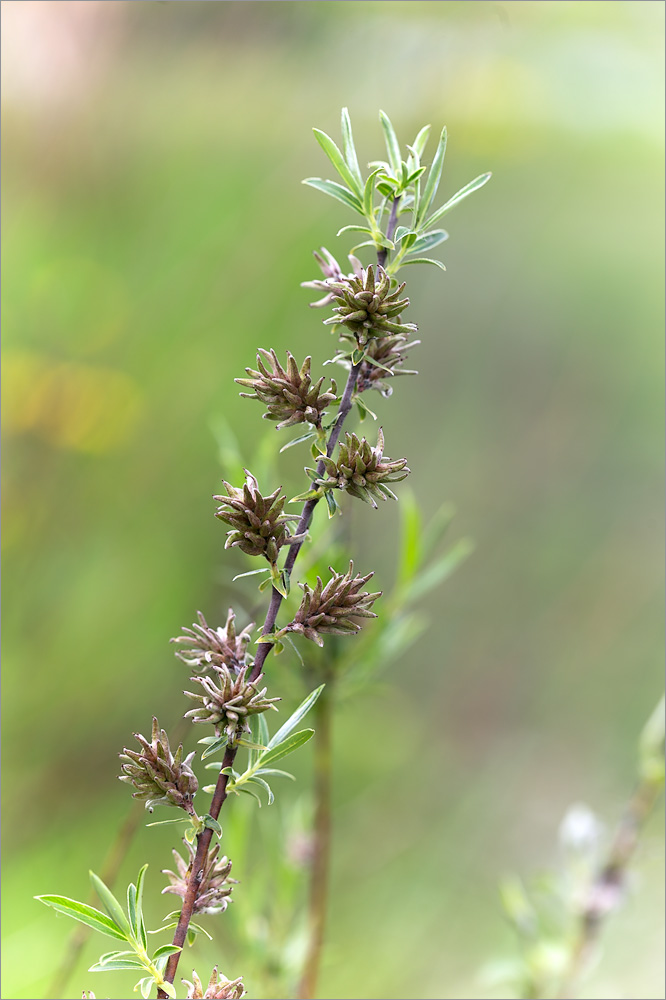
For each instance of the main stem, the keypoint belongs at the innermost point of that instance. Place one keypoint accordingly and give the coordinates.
(319, 871)
(220, 794)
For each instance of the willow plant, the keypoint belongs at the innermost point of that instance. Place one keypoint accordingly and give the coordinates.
(228, 685)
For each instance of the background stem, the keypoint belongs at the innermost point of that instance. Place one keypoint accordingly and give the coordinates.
(320, 864)
(608, 887)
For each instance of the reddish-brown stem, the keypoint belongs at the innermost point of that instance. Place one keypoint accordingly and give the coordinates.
(220, 794)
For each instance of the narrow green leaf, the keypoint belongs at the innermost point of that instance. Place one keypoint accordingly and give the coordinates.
(459, 196)
(249, 744)
(309, 495)
(392, 144)
(364, 410)
(166, 950)
(211, 824)
(292, 743)
(336, 190)
(276, 772)
(252, 572)
(111, 904)
(419, 143)
(295, 718)
(200, 930)
(430, 189)
(331, 503)
(111, 956)
(349, 149)
(415, 174)
(263, 784)
(122, 965)
(218, 744)
(262, 730)
(368, 196)
(146, 986)
(249, 791)
(131, 909)
(168, 822)
(428, 241)
(423, 260)
(290, 444)
(139, 905)
(337, 159)
(169, 989)
(354, 229)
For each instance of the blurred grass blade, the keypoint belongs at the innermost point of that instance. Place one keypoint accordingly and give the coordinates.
(437, 572)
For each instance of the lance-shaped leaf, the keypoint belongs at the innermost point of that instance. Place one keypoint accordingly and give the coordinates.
(85, 914)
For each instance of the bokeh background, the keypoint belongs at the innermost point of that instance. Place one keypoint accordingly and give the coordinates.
(155, 234)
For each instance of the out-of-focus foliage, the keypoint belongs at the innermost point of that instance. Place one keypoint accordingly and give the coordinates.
(156, 232)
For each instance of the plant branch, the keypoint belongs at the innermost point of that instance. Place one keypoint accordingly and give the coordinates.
(607, 889)
(322, 840)
(220, 794)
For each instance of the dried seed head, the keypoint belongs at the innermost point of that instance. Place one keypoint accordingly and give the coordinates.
(335, 608)
(158, 776)
(215, 886)
(228, 700)
(363, 471)
(259, 528)
(219, 988)
(367, 307)
(214, 647)
(288, 395)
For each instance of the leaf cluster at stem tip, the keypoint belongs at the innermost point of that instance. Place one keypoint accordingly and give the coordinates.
(400, 182)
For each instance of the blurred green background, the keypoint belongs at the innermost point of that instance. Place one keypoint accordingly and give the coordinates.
(155, 234)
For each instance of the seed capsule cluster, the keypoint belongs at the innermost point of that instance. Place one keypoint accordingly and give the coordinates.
(214, 647)
(259, 526)
(333, 609)
(215, 886)
(288, 394)
(219, 988)
(227, 700)
(159, 776)
(363, 471)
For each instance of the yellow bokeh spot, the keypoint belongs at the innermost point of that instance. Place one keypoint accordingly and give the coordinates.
(74, 406)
